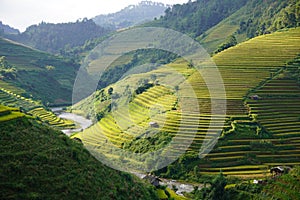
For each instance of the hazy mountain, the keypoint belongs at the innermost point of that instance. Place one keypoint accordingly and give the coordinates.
(132, 15)
(6, 29)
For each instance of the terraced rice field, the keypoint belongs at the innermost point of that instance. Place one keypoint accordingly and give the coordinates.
(33, 108)
(124, 123)
(51, 119)
(7, 113)
(243, 68)
(10, 87)
(13, 100)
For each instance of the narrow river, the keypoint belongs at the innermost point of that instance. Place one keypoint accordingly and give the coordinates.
(80, 121)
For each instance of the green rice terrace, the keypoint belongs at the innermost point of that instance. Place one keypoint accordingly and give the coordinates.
(7, 113)
(33, 108)
(260, 131)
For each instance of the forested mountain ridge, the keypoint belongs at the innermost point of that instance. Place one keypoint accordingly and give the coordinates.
(131, 15)
(56, 37)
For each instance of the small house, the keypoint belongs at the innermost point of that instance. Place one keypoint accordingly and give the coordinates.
(255, 97)
(277, 171)
(153, 124)
(260, 181)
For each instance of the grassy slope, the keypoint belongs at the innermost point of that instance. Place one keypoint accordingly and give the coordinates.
(33, 78)
(40, 163)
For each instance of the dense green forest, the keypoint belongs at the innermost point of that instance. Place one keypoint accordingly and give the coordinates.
(56, 37)
(269, 16)
(195, 18)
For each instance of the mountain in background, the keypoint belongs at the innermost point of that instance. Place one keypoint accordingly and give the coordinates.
(56, 37)
(132, 15)
(6, 29)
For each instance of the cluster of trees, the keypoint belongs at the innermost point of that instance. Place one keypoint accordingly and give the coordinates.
(6, 70)
(148, 142)
(230, 42)
(269, 16)
(55, 37)
(216, 191)
(77, 53)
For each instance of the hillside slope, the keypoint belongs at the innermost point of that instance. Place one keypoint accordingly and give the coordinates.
(40, 163)
(42, 75)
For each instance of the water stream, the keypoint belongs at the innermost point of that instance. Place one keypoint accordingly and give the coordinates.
(81, 122)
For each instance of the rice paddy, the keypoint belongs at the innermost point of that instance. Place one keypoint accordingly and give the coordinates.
(34, 108)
